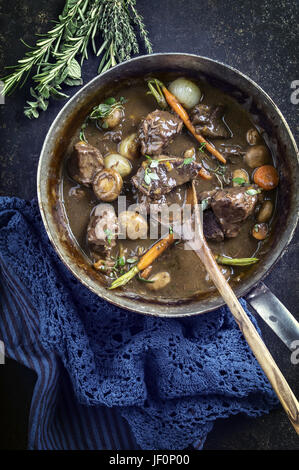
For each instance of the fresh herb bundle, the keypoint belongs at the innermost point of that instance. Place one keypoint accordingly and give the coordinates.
(58, 55)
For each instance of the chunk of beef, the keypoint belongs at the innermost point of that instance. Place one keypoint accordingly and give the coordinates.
(211, 227)
(168, 208)
(157, 130)
(145, 203)
(208, 121)
(84, 162)
(154, 180)
(206, 196)
(231, 207)
(177, 196)
(103, 227)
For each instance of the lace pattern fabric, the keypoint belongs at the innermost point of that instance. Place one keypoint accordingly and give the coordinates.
(170, 378)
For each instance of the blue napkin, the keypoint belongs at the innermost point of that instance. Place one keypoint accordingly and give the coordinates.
(106, 377)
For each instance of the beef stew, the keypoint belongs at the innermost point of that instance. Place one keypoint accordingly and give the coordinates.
(148, 156)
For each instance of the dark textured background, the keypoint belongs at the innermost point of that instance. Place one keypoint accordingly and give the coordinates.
(259, 38)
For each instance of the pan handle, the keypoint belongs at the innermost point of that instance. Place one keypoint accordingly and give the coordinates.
(275, 314)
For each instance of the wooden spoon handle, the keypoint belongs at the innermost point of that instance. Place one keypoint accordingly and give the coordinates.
(258, 347)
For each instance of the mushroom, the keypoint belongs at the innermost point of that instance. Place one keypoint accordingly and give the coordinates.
(129, 147)
(132, 225)
(266, 177)
(240, 177)
(119, 163)
(257, 155)
(113, 119)
(265, 212)
(260, 231)
(253, 137)
(159, 280)
(190, 153)
(107, 184)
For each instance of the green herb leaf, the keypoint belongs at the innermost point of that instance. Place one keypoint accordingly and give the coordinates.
(187, 161)
(239, 180)
(73, 81)
(253, 192)
(74, 69)
(202, 146)
(110, 101)
(102, 111)
(131, 260)
(109, 235)
(121, 261)
(144, 280)
(153, 176)
(147, 178)
(204, 204)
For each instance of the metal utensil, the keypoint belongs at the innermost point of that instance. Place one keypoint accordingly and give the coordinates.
(275, 314)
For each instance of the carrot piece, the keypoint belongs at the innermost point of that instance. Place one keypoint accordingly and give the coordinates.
(260, 231)
(146, 272)
(266, 177)
(145, 261)
(204, 174)
(155, 251)
(180, 110)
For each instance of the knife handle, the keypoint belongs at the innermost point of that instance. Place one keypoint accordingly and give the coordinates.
(275, 314)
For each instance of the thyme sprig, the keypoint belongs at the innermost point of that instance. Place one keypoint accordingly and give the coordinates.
(220, 171)
(149, 176)
(100, 112)
(103, 110)
(58, 55)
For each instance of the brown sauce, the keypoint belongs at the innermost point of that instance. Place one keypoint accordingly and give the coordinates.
(188, 277)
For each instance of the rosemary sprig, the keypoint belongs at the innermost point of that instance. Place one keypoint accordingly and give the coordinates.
(52, 75)
(53, 60)
(41, 52)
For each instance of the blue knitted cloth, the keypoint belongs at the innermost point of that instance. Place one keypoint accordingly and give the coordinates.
(169, 378)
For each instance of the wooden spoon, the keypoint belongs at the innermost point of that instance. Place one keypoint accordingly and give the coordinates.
(258, 347)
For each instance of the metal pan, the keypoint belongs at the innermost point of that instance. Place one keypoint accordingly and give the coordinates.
(235, 83)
